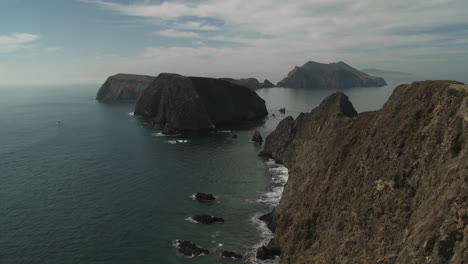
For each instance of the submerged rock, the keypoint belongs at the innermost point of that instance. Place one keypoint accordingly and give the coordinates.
(196, 103)
(257, 137)
(231, 254)
(123, 87)
(205, 197)
(314, 75)
(189, 249)
(388, 186)
(207, 219)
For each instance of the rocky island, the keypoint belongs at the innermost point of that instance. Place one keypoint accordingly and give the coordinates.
(123, 87)
(251, 83)
(389, 186)
(339, 75)
(180, 103)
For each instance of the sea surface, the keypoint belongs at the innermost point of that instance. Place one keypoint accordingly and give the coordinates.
(105, 187)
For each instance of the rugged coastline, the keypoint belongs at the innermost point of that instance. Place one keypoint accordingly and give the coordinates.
(388, 186)
(123, 88)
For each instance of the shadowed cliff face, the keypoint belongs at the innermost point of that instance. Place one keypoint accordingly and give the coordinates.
(195, 103)
(123, 87)
(388, 186)
(314, 75)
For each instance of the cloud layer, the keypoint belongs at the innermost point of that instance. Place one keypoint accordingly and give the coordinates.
(14, 42)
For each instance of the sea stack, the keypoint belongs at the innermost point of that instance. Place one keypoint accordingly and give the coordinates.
(196, 103)
(123, 87)
(339, 75)
(389, 186)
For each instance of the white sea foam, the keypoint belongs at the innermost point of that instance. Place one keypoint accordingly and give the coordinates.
(160, 134)
(178, 141)
(190, 219)
(279, 176)
(131, 113)
(223, 131)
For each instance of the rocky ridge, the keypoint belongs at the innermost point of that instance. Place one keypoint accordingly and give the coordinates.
(389, 186)
(251, 83)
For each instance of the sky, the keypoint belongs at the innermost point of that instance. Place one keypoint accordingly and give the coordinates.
(85, 41)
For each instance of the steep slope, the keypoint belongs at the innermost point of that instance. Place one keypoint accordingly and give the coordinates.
(251, 83)
(314, 75)
(388, 186)
(123, 87)
(196, 103)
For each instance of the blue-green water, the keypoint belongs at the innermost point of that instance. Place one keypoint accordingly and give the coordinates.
(104, 188)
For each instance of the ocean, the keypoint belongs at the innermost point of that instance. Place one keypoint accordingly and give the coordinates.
(105, 186)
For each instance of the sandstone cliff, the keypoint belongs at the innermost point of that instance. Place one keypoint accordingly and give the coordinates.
(196, 103)
(123, 87)
(388, 186)
(251, 83)
(314, 75)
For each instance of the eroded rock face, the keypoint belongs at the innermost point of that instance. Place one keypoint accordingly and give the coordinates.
(314, 75)
(196, 103)
(123, 87)
(388, 186)
(251, 83)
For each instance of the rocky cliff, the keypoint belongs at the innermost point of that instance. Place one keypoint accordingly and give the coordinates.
(251, 83)
(123, 87)
(196, 103)
(385, 187)
(314, 75)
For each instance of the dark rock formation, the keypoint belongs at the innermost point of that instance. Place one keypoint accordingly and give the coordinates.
(257, 137)
(251, 83)
(207, 219)
(231, 254)
(123, 87)
(282, 111)
(189, 249)
(264, 253)
(195, 103)
(389, 186)
(205, 197)
(314, 75)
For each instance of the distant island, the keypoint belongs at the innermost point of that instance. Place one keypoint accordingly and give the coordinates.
(251, 83)
(123, 87)
(337, 75)
(181, 103)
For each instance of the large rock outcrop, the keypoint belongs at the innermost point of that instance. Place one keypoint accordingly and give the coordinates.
(123, 87)
(314, 75)
(196, 103)
(389, 186)
(251, 83)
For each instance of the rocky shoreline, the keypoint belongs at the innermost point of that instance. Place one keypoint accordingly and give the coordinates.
(388, 186)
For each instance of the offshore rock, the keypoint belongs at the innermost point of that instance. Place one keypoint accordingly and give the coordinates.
(251, 83)
(337, 75)
(123, 87)
(205, 196)
(196, 103)
(257, 137)
(207, 219)
(389, 186)
(189, 249)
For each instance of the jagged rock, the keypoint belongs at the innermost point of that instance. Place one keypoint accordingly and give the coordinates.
(257, 137)
(123, 87)
(388, 186)
(195, 103)
(329, 76)
(189, 249)
(282, 111)
(264, 253)
(205, 197)
(231, 254)
(251, 83)
(207, 219)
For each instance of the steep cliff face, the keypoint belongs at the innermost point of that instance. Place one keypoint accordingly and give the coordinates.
(195, 103)
(314, 75)
(251, 83)
(123, 87)
(389, 186)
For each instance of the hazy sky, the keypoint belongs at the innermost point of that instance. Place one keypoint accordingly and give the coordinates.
(84, 41)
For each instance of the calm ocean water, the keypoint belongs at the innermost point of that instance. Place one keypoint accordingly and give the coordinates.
(105, 188)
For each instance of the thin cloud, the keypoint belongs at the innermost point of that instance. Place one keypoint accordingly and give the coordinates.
(172, 33)
(15, 42)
